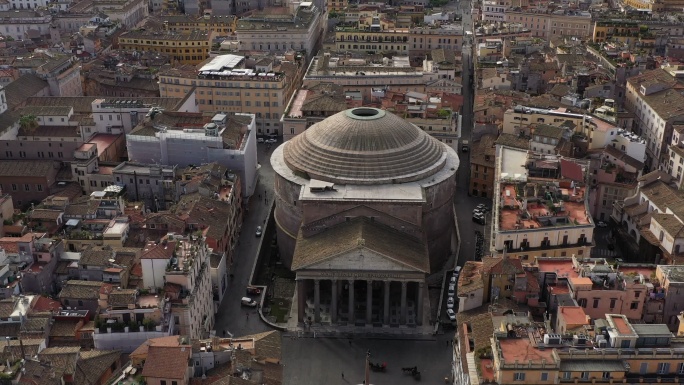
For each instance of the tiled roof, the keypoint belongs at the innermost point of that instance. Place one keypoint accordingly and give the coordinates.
(143, 349)
(122, 297)
(510, 140)
(471, 277)
(210, 212)
(360, 232)
(548, 131)
(614, 152)
(64, 328)
(45, 214)
(159, 251)
(6, 308)
(18, 91)
(95, 257)
(81, 290)
(93, 365)
(502, 266)
(167, 362)
(32, 168)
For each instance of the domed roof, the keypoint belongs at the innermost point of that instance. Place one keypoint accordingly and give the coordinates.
(365, 146)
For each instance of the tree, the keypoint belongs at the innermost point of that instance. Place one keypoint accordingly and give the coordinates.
(28, 123)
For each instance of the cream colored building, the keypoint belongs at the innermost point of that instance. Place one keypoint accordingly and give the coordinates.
(517, 120)
(223, 84)
(273, 32)
(540, 206)
(559, 23)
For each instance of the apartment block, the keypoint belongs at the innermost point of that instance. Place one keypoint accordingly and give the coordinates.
(183, 48)
(213, 25)
(445, 36)
(270, 31)
(187, 139)
(180, 266)
(540, 205)
(18, 23)
(519, 120)
(676, 155)
(233, 84)
(483, 166)
(671, 278)
(558, 23)
(655, 98)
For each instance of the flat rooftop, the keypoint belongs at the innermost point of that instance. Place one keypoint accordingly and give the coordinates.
(562, 268)
(408, 192)
(522, 351)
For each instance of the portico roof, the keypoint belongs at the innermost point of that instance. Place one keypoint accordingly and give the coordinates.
(361, 233)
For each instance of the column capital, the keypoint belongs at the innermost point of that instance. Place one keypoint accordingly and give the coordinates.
(317, 282)
(404, 283)
(351, 280)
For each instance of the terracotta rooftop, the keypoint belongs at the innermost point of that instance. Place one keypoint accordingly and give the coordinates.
(573, 315)
(521, 350)
(167, 362)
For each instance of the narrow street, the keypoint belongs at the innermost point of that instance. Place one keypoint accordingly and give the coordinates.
(463, 201)
(231, 316)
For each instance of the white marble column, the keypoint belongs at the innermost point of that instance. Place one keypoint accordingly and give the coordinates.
(369, 302)
(352, 319)
(402, 319)
(333, 302)
(317, 301)
(419, 311)
(385, 314)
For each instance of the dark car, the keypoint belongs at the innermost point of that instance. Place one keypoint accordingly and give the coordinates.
(251, 290)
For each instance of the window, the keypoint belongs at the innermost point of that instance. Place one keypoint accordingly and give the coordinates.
(174, 382)
(634, 305)
(39, 187)
(80, 303)
(544, 376)
(508, 287)
(27, 187)
(606, 375)
(680, 368)
(14, 187)
(163, 382)
(596, 303)
(612, 302)
(663, 368)
(519, 376)
(567, 375)
(585, 375)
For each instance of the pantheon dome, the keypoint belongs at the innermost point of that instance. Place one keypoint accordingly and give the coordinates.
(365, 146)
(364, 167)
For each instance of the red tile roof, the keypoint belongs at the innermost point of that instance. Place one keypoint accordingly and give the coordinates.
(160, 251)
(571, 170)
(43, 304)
(167, 362)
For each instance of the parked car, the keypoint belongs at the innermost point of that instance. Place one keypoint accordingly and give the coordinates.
(457, 270)
(479, 218)
(450, 303)
(452, 289)
(619, 260)
(453, 279)
(260, 140)
(271, 141)
(258, 231)
(451, 315)
(251, 290)
(601, 224)
(246, 301)
(481, 207)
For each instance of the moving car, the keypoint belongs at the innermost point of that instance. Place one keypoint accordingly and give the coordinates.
(465, 146)
(246, 301)
(451, 314)
(450, 303)
(601, 224)
(258, 231)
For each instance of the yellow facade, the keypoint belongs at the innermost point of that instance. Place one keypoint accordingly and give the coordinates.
(617, 31)
(266, 99)
(190, 48)
(337, 5)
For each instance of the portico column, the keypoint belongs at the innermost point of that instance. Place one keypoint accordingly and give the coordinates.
(317, 301)
(301, 300)
(402, 319)
(351, 301)
(385, 314)
(333, 302)
(419, 311)
(369, 302)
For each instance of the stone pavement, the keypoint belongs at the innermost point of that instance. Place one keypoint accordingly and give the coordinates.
(310, 361)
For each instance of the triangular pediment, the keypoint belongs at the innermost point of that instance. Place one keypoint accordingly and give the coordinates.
(361, 259)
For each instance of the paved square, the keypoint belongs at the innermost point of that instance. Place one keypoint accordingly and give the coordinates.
(322, 361)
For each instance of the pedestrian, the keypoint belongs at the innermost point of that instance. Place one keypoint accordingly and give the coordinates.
(349, 342)
(247, 315)
(447, 342)
(224, 332)
(343, 375)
